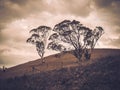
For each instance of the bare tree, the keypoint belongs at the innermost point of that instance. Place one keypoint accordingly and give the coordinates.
(81, 38)
(39, 38)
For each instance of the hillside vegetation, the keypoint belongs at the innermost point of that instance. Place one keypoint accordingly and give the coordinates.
(97, 74)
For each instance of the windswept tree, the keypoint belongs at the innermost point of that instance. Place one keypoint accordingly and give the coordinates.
(39, 38)
(81, 38)
(67, 35)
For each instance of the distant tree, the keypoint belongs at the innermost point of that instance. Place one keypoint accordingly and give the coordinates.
(39, 38)
(80, 37)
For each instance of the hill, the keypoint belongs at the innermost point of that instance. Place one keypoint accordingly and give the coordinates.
(100, 73)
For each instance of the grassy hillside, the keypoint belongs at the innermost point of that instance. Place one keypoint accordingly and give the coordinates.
(102, 72)
(54, 63)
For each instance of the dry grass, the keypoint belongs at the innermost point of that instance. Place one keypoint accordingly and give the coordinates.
(100, 73)
(103, 74)
(52, 63)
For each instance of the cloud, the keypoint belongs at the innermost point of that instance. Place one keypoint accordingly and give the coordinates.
(17, 17)
(13, 53)
(115, 42)
(12, 10)
(109, 10)
(15, 9)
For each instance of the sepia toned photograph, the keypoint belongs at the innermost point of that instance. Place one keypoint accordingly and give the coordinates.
(59, 44)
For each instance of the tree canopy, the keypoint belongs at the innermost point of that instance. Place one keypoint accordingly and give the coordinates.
(82, 39)
(39, 39)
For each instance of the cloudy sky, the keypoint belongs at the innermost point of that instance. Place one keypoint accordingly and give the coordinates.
(18, 17)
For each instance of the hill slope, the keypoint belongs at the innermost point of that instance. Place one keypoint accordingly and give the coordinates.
(55, 63)
(101, 74)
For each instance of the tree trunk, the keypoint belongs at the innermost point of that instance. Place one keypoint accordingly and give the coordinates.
(78, 54)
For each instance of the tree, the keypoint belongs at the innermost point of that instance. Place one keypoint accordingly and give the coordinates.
(39, 38)
(66, 35)
(81, 38)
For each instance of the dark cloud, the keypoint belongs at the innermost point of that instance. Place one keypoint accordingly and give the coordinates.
(8, 12)
(16, 9)
(106, 3)
(109, 10)
(11, 10)
(19, 2)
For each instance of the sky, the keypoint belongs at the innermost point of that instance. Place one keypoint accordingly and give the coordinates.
(18, 17)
